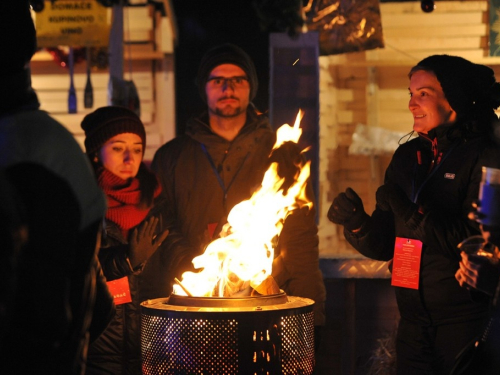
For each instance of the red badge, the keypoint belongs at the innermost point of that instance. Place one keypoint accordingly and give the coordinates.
(120, 290)
(406, 263)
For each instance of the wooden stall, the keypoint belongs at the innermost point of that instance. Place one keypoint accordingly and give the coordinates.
(370, 89)
(148, 46)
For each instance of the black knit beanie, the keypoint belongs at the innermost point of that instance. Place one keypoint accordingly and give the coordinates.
(471, 89)
(226, 54)
(106, 122)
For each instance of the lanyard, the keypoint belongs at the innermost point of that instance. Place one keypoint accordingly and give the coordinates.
(214, 169)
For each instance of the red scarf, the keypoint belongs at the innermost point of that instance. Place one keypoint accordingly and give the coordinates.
(123, 199)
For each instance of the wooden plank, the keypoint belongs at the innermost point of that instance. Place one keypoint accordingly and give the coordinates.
(394, 78)
(434, 43)
(47, 82)
(397, 57)
(435, 30)
(397, 104)
(51, 82)
(58, 102)
(137, 36)
(351, 72)
(143, 51)
(344, 95)
(345, 116)
(441, 7)
(422, 20)
(100, 96)
(137, 18)
(357, 105)
(395, 94)
(397, 121)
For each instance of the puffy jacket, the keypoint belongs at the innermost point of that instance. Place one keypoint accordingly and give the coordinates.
(197, 200)
(58, 270)
(445, 196)
(117, 350)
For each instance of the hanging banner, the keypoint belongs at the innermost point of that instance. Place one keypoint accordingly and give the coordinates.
(346, 25)
(73, 23)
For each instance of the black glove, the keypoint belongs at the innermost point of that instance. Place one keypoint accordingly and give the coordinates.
(390, 197)
(143, 241)
(289, 161)
(347, 210)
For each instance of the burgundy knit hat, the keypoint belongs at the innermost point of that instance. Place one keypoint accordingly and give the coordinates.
(106, 122)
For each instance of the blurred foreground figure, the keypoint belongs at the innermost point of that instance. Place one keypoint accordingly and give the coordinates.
(60, 301)
(422, 210)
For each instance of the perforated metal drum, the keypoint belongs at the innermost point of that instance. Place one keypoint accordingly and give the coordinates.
(226, 336)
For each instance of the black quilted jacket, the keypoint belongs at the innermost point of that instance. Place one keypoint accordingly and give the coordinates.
(445, 196)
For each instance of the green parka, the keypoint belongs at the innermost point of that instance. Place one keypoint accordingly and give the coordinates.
(199, 202)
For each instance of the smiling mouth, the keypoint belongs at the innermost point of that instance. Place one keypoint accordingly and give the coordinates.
(418, 116)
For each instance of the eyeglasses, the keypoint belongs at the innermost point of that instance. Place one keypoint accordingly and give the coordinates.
(237, 82)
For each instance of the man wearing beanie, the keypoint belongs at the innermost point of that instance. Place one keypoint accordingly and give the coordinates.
(422, 211)
(220, 161)
(61, 300)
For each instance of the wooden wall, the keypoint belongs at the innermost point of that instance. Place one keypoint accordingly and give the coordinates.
(148, 62)
(371, 88)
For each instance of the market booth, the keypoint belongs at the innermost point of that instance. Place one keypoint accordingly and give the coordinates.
(357, 113)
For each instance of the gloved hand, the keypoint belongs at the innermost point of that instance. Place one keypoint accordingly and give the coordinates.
(143, 242)
(390, 197)
(347, 209)
(479, 272)
(289, 161)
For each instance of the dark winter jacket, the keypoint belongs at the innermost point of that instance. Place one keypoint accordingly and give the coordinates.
(57, 271)
(117, 350)
(445, 197)
(199, 202)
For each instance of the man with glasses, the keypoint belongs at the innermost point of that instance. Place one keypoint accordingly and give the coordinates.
(219, 162)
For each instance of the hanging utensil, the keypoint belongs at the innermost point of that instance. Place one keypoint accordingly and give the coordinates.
(72, 107)
(120, 91)
(88, 100)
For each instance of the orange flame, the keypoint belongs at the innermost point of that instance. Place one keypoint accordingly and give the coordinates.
(243, 254)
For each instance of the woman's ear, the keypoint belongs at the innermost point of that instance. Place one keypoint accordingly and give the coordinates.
(96, 159)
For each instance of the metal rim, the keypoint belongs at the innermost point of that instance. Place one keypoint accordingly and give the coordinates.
(264, 300)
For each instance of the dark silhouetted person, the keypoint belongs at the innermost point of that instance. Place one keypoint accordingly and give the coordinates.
(61, 301)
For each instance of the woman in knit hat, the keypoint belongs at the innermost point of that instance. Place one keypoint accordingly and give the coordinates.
(422, 210)
(115, 142)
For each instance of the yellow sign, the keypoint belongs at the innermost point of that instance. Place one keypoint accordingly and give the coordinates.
(73, 23)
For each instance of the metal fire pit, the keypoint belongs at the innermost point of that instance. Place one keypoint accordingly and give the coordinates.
(226, 336)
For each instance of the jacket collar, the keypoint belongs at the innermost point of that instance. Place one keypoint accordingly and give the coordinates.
(441, 137)
(199, 129)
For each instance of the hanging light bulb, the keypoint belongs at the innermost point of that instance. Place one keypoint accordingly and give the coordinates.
(427, 5)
